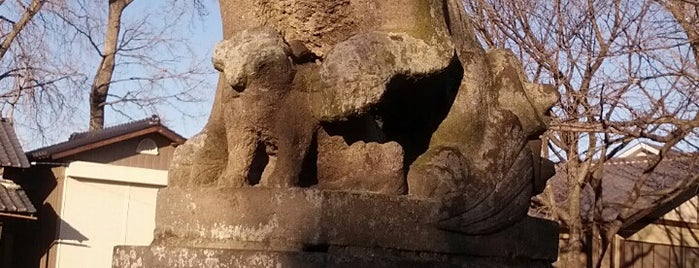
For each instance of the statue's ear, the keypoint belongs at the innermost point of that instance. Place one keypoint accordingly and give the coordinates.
(218, 58)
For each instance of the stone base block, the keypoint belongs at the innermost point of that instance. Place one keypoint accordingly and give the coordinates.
(170, 257)
(308, 220)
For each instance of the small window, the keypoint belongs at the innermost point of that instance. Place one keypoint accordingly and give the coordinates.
(147, 146)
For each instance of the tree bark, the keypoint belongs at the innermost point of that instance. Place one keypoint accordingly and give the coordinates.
(576, 252)
(103, 77)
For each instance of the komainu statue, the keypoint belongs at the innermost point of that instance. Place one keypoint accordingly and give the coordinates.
(393, 97)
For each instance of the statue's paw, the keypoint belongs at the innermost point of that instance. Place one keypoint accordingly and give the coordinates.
(194, 162)
(279, 179)
(231, 178)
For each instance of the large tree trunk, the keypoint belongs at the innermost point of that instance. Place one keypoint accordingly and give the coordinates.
(103, 77)
(577, 250)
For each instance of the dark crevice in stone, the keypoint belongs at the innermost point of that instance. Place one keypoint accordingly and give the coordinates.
(413, 107)
(259, 163)
(356, 128)
(309, 170)
(445, 11)
(409, 113)
(316, 248)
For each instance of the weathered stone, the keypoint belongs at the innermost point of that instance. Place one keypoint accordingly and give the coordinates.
(356, 63)
(361, 166)
(168, 257)
(258, 218)
(264, 116)
(482, 172)
(529, 102)
(320, 25)
(210, 161)
(356, 71)
(407, 96)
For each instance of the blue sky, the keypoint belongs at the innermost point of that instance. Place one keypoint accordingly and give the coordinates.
(199, 33)
(206, 32)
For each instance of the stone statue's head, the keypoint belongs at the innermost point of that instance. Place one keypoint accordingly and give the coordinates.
(254, 51)
(530, 102)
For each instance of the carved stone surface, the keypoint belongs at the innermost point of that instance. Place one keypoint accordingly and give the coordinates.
(168, 257)
(362, 166)
(340, 223)
(453, 120)
(379, 132)
(293, 219)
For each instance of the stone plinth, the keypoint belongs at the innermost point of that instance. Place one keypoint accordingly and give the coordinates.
(171, 257)
(268, 227)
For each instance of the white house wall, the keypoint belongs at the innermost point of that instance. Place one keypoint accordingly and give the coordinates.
(104, 206)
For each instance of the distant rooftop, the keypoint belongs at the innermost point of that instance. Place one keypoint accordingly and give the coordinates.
(14, 202)
(644, 149)
(11, 152)
(78, 142)
(621, 173)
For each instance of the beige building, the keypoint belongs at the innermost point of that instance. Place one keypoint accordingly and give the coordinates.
(663, 230)
(671, 240)
(95, 191)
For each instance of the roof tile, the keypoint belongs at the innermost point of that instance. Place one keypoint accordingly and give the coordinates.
(84, 138)
(11, 152)
(620, 176)
(13, 199)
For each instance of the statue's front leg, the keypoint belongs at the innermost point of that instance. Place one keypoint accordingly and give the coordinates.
(241, 150)
(285, 166)
(295, 134)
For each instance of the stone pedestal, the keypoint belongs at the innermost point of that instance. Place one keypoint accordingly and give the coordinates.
(266, 227)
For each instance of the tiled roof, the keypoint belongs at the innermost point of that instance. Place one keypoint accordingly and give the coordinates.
(77, 140)
(11, 152)
(620, 176)
(13, 200)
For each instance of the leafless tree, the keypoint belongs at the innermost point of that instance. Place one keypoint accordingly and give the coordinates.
(686, 13)
(28, 79)
(138, 53)
(56, 53)
(103, 77)
(626, 71)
